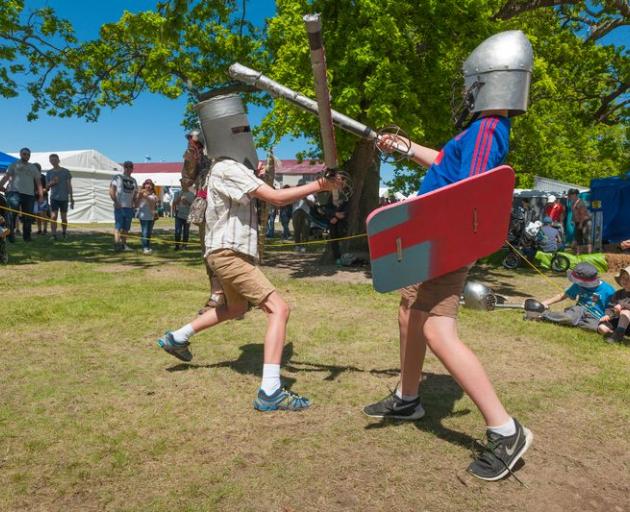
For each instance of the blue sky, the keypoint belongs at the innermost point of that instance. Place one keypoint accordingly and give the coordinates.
(151, 127)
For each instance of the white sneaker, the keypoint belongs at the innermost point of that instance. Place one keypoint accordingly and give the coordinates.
(127, 248)
(146, 251)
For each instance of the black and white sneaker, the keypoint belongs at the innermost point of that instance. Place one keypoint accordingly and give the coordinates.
(501, 453)
(395, 408)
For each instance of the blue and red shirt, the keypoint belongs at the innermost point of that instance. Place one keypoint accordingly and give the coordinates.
(482, 146)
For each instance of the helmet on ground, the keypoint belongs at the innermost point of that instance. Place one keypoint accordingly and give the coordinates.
(479, 296)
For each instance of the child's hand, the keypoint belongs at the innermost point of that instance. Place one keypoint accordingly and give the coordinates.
(617, 308)
(605, 318)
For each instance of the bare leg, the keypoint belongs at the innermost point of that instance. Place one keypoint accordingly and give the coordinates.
(277, 317)
(604, 329)
(624, 319)
(413, 348)
(53, 221)
(215, 316)
(441, 335)
(64, 221)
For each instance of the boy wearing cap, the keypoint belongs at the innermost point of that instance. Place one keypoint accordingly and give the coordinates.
(592, 296)
(615, 324)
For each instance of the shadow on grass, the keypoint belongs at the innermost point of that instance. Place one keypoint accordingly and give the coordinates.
(499, 279)
(439, 394)
(307, 264)
(249, 362)
(97, 247)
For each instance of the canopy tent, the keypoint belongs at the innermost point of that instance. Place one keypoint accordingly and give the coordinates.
(163, 174)
(612, 197)
(92, 174)
(5, 161)
(555, 187)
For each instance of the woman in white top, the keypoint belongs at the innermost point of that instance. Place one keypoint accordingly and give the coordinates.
(146, 204)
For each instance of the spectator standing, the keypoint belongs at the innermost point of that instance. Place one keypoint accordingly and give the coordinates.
(146, 203)
(555, 210)
(582, 221)
(123, 191)
(302, 221)
(59, 182)
(285, 214)
(271, 222)
(167, 198)
(41, 208)
(181, 208)
(24, 188)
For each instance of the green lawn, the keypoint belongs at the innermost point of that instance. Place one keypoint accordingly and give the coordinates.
(93, 416)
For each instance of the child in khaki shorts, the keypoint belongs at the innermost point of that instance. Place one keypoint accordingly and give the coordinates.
(231, 242)
(427, 316)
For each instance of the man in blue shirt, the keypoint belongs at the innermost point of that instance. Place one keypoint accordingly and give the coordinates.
(496, 77)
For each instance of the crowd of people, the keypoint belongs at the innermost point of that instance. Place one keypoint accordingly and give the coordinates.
(29, 191)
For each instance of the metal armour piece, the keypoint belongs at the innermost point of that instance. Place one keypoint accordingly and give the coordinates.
(226, 130)
(478, 296)
(498, 72)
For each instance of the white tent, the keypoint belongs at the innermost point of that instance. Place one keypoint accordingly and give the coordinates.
(92, 174)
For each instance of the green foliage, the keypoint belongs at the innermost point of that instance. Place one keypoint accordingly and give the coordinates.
(389, 62)
(35, 51)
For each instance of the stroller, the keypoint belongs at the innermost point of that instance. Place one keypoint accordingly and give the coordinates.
(525, 238)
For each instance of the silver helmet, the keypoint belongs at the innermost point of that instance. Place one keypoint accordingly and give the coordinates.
(498, 72)
(226, 129)
(478, 296)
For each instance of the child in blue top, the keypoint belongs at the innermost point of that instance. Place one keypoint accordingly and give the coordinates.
(592, 296)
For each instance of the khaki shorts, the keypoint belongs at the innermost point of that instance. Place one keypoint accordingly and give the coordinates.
(439, 296)
(243, 282)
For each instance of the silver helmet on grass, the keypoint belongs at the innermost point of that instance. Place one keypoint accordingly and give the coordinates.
(478, 296)
(226, 130)
(497, 75)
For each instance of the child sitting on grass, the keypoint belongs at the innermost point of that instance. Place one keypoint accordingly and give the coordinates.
(615, 324)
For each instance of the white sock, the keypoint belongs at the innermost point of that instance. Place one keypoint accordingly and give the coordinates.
(507, 429)
(270, 379)
(182, 335)
(405, 398)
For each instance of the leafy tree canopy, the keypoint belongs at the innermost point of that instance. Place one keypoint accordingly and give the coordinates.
(389, 62)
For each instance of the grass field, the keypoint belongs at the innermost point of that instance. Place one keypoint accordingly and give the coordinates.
(94, 417)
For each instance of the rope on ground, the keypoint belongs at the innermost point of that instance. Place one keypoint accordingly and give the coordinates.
(526, 260)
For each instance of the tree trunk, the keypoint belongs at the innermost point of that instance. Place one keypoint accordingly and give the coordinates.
(364, 167)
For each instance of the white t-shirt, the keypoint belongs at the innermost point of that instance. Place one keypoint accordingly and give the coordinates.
(126, 188)
(146, 207)
(231, 216)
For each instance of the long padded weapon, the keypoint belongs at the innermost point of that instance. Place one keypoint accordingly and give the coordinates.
(264, 83)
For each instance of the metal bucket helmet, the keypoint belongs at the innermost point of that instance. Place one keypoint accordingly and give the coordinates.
(498, 72)
(479, 296)
(226, 130)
